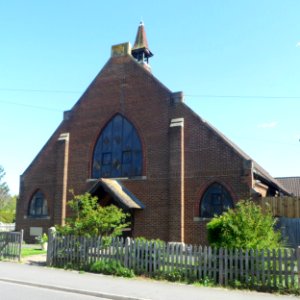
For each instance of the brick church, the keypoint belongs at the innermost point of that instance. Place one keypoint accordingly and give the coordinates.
(134, 143)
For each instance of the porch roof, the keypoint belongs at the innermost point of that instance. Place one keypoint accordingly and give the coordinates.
(119, 192)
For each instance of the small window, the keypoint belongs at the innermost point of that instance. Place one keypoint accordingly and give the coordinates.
(215, 201)
(38, 206)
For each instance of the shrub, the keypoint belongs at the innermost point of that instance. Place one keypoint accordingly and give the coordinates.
(42, 239)
(175, 275)
(245, 227)
(111, 267)
(143, 240)
(91, 219)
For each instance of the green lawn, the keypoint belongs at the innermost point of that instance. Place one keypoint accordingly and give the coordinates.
(26, 251)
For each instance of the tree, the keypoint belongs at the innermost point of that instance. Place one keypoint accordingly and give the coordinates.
(91, 219)
(245, 227)
(8, 211)
(7, 203)
(4, 190)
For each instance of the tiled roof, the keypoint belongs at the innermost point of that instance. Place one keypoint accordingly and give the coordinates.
(291, 183)
(257, 169)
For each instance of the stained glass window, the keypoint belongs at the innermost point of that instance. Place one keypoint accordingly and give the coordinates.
(38, 205)
(118, 151)
(215, 201)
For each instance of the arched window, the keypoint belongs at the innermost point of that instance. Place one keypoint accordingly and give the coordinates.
(118, 151)
(215, 201)
(38, 205)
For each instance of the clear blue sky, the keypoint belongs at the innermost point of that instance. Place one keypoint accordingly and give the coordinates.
(238, 63)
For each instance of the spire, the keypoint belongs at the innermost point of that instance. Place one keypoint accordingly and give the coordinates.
(140, 50)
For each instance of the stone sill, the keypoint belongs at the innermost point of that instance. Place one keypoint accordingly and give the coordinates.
(119, 178)
(37, 218)
(198, 219)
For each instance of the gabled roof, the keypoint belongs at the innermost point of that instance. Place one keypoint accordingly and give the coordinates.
(291, 183)
(119, 192)
(257, 169)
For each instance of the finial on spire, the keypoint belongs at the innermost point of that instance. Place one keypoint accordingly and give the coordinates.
(140, 50)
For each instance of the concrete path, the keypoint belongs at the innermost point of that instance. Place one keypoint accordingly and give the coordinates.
(37, 260)
(119, 288)
(13, 291)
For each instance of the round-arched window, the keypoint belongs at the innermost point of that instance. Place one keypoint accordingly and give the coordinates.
(215, 201)
(118, 151)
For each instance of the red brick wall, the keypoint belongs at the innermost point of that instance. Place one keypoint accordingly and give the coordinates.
(123, 86)
(41, 174)
(208, 159)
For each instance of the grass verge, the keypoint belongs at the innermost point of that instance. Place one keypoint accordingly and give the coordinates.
(31, 251)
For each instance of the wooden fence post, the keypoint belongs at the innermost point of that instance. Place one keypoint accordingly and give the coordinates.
(220, 266)
(126, 257)
(20, 244)
(298, 261)
(51, 233)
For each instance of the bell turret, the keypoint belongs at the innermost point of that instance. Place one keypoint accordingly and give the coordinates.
(140, 50)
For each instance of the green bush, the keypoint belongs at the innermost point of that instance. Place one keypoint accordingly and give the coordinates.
(111, 267)
(206, 281)
(245, 227)
(8, 208)
(175, 275)
(42, 239)
(181, 275)
(143, 240)
(91, 219)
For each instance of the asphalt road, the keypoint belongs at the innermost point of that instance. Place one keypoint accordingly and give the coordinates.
(12, 291)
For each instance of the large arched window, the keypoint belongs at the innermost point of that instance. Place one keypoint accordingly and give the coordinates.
(118, 151)
(38, 206)
(215, 201)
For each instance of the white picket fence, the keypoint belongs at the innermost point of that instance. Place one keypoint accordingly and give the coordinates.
(253, 268)
(7, 227)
